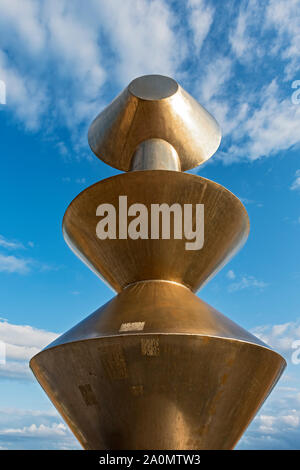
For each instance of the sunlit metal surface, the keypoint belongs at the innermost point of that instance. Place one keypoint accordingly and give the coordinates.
(156, 367)
(121, 262)
(179, 376)
(163, 111)
(155, 154)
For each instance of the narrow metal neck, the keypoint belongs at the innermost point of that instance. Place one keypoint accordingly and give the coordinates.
(155, 154)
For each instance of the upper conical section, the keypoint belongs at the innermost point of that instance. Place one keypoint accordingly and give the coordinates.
(154, 106)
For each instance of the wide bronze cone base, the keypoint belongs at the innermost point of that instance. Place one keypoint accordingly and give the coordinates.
(157, 368)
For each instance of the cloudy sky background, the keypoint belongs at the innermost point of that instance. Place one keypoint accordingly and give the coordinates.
(62, 62)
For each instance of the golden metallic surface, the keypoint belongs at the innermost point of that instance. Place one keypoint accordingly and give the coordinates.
(122, 262)
(157, 368)
(155, 154)
(154, 106)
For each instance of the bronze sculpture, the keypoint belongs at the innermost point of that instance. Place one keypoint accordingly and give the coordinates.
(156, 367)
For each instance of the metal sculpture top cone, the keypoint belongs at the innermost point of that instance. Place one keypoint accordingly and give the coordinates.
(156, 367)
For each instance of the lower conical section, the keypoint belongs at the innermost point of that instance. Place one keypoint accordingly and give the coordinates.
(157, 368)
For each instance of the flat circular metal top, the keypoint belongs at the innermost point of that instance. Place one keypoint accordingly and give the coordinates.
(153, 87)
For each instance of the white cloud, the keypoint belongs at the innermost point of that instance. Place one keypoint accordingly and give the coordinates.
(16, 412)
(24, 93)
(245, 200)
(25, 335)
(284, 17)
(266, 423)
(277, 426)
(230, 274)
(214, 78)
(66, 179)
(296, 183)
(17, 264)
(42, 431)
(20, 20)
(271, 126)
(271, 424)
(65, 52)
(65, 28)
(200, 17)
(12, 264)
(15, 371)
(142, 35)
(34, 429)
(10, 244)
(274, 126)
(258, 117)
(244, 34)
(237, 38)
(22, 342)
(280, 337)
(69, 59)
(291, 420)
(211, 92)
(246, 282)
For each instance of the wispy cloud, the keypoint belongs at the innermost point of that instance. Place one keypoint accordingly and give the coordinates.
(41, 431)
(296, 182)
(21, 343)
(12, 264)
(82, 45)
(216, 75)
(256, 114)
(277, 426)
(244, 282)
(200, 18)
(25, 95)
(250, 201)
(34, 429)
(117, 41)
(10, 244)
(284, 17)
(67, 179)
(230, 274)
(243, 36)
(262, 128)
(22, 265)
(280, 336)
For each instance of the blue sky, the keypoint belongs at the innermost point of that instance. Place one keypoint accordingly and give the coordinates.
(62, 62)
